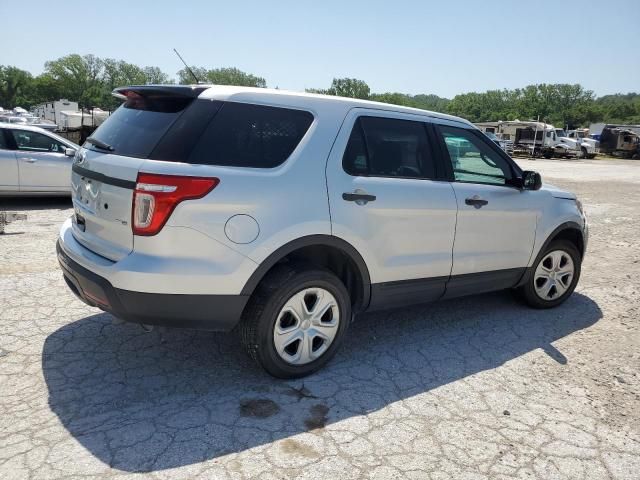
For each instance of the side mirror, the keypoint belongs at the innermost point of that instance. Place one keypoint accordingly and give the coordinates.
(531, 180)
(69, 152)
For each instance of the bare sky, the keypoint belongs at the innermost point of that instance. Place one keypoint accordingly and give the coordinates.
(414, 47)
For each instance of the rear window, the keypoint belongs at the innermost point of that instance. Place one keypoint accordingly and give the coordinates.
(207, 132)
(247, 135)
(135, 128)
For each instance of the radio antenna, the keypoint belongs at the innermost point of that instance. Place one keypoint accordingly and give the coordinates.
(187, 66)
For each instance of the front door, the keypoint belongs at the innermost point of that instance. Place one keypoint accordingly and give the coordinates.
(496, 225)
(385, 201)
(42, 163)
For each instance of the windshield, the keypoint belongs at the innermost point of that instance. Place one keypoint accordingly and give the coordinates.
(560, 132)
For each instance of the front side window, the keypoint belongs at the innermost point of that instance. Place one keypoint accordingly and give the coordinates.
(36, 142)
(387, 147)
(473, 160)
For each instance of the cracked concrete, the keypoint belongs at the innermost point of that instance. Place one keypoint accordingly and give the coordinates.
(476, 388)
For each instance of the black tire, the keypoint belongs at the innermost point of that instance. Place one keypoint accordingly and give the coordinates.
(260, 315)
(548, 155)
(527, 292)
(584, 153)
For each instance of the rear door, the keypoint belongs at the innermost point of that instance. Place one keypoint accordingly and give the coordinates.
(496, 224)
(386, 201)
(42, 163)
(9, 177)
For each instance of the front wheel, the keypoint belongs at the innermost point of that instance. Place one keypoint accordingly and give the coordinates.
(553, 277)
(295, 321)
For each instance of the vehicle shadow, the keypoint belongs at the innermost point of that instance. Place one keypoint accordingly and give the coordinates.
(22, 204)
(141, 405)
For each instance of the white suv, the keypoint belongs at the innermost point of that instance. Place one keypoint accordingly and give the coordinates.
(286, 214)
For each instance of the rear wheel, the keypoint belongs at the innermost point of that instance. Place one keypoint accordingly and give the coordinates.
(295, 320)
(554, 276)
(583, 153)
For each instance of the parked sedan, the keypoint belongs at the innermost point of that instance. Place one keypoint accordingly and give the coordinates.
(34, 161)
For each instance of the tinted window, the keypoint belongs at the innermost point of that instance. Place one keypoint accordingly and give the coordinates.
(135, 128)
(472, 159)
(3, 141)
(246, 135)
(36, 142)
(390, 148)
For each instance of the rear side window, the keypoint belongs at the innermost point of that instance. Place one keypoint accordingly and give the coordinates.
(247, 135)
(389, 147)
(135, 128)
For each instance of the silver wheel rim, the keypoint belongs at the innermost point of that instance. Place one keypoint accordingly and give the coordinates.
(553, 275)
(306, 326)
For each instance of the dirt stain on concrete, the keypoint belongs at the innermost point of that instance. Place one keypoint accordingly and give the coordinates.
(258, 408)
(318, 418)
(294, 447)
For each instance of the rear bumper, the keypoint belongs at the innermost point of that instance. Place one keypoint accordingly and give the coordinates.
(203, 312)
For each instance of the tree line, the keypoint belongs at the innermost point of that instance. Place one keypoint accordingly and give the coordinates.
(89, 80)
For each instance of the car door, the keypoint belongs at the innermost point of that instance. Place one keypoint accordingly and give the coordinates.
(42, 163)
(496, 225)
(9, 178)
(386, 200)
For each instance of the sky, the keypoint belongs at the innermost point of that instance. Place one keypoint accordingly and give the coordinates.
(440, 47)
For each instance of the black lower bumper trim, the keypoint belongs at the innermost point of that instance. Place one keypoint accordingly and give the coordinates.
(202, 312)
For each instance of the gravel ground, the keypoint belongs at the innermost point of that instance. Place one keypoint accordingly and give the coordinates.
(474, 388)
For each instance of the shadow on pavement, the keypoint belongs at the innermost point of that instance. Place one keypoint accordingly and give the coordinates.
(141, 405)
(24, 204)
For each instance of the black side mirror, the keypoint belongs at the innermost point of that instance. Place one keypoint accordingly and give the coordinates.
(531, 180)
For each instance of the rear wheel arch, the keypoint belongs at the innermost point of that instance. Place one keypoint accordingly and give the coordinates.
(326, 251)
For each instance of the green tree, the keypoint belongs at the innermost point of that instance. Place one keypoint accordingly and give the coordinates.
(346, 87)
(155, 76)
(80, 77)
(15, 86)
(221, 76)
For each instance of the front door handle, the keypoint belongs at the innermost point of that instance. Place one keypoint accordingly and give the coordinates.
(29, 160)
(359, 197)
(476, 201)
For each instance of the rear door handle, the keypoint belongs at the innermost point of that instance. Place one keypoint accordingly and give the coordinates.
(359, 197)
(476, 201)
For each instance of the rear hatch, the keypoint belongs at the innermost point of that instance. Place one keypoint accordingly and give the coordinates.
(105, 170)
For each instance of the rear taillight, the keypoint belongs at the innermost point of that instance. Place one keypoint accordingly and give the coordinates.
(156, 196)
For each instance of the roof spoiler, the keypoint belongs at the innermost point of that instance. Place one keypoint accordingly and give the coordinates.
(188, 91)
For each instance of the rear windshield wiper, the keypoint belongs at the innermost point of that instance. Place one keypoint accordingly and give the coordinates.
(99, 144)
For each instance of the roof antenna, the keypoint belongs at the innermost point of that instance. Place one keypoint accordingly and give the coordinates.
(187, 66)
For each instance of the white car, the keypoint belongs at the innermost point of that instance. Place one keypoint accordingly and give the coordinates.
(34, 161)
(287, 214)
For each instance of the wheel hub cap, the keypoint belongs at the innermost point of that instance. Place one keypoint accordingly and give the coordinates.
(553, 275)
(306, 326)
